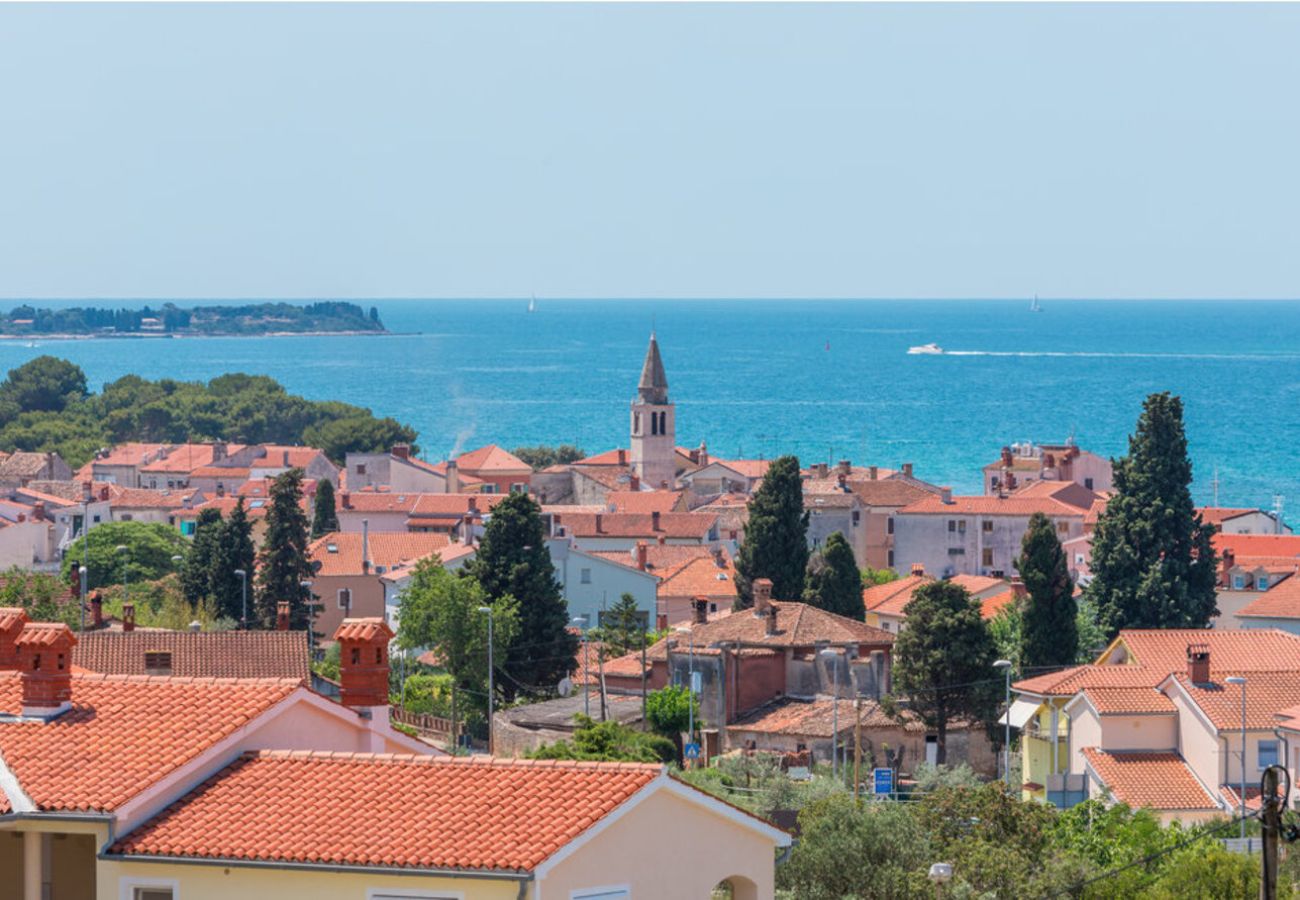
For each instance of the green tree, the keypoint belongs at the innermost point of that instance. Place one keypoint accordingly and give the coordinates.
(46, 384)
(513, 562)
(943, 660)
(623, 629)
(541, 456)
(283, 564)
(776, 543)
(325, 517)
(1153, 563)
(833, 582)
(1049, 632)
(150, 547)
(196, 573)
(358, 433)
(234, 553)
(1092, 637)
(669, 710)
(45, 597)
(872, 576)
(607, 742)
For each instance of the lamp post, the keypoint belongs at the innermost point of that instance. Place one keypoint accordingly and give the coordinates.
(690, 678)
(85, 574)
(1005, 666)
(491, 683)
(1238, 679)
(581, 622)
(126, 572)
(243, 592)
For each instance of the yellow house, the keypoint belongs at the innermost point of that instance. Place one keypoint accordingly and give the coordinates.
(170, 788)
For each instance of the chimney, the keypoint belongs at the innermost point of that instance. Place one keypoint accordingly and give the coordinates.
(285, 463)
(365, 546)
(819, 470)
(402, 451)
(45, 665)
(1198, 663)
(218, 451)
(661, 540)
(846, 467)
(453, 477)
(718, 559)
(467, 530)
(12, 621)
(97, 610)
(363, 662)
(196, 626)
(762, 589)
(1229, 561)
(128, 617)
(918, 569)
(346, 497)
(472, 504)
(634, 482)
(769, 621)
(600, 521)
(701, 610)
(622, 457)
(842, 481)
(103, 492)
(38, 511)
(704, 453)
(907, 470)
(872, 472)
(1049, 461)
(282, 615)
(642, 555)
(221, 490)
(945, 494)
(87, 491)
(1018, 586)
(654, 520)
(1006, 458)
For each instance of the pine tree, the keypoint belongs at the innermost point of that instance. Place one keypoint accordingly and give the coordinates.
(196, 573)
(776, 542)
(513, 561)
(1153, 564)
(1049, 634)
(234, 553)
(325, 517)
(623, 627)
(833, 582)
(943, 660)
(283, 564)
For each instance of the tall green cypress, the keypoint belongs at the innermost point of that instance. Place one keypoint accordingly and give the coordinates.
(325, 517)
(833, 582)
(513, 560)
(1049, 634)
(283, 559)
(776, 536)
(234, 552)
(1153, 564)
(196, 573)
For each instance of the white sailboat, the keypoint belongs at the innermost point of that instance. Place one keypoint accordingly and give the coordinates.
(532, 303)
(1034, 307)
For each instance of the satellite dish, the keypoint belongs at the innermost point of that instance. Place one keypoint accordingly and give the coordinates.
(565, 687)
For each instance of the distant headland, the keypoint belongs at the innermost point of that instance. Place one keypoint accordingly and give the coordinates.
(170, 320)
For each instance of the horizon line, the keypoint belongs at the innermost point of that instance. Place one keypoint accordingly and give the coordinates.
(637, 298)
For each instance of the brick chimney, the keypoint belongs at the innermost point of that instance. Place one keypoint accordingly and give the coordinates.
(654, 521)
(907, 470)
(634, 482)
(600, 521)
(402, 451)
(1018, 585)
(103, 492)
(363, 663)
(453, 477)
(718, 559)
(762, 589)
(701, 610)
(918, 568)
(38, 511)
(1229, 561)
(622, 457)
(471, 503)
(128, 617)
(945, 494)
(769, 620)
(97, 610)
(282, 616)
(12, 620)
(872, 472)
(45, 666)
(642, 555)
(846, 467)
(346, 498)
(1198, 663)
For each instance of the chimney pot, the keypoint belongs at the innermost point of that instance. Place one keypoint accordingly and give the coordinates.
(97, 610)
(363, 662)
(1198, 663)
(44, 652)
(701, 610)
(945, 494)
(872, 472)
(128, 617)
(453, 477)
(347, 499)
(634, 482)
(622, 457)
(918, 569)
(846, 467)
(12, 621)
(770, 620)
(907, 470)
(762, 590)
(654, 520)
(282, 615)
(642, 555)
(402, 451)
(38, 511)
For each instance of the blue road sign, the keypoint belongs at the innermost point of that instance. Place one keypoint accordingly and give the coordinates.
(882, 781)
(691, 751)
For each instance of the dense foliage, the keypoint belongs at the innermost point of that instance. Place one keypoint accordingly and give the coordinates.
(150, 547)
(233, 554)
(623, 628)
(1153, 563)
(44, 406)
(196, 573)
(669, 711)
(325, 516)
(775, 544)
(1049, 636)
(833, 581)
(45, 597)
(283, 566)
(256, 318)
(608, 742)
(541, 456)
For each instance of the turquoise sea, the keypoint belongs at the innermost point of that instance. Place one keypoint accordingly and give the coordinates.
(824, 379)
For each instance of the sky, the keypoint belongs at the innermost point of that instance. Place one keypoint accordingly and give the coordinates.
(587, 150)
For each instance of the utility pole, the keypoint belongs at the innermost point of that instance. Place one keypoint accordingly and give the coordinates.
(1271, 819)
(645, 723)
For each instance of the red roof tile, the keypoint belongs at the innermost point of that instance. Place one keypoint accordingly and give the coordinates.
(984, 505)
(644, 501)
(394, 811)
(207, 654)
(1258, 544)
(892, 597)
(1217, 515)
(363, 630)
(797, 625)
(1118, 701)
(1267, 694)
(1152, 780)
(492, 460)
(387, 549)
(816, 718)
(1281, 601)
(638, 525)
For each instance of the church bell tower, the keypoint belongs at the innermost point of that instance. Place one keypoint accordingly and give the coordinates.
(654, 450)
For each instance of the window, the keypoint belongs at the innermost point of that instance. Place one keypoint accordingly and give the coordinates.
(157, 662)
(127, 517)
(961, 525)
(890, 561)
(1063, 527)
(1238, 582)
(361, 468)
(345, 598)
(1267, 754)
(1087, 482)
(889, 525)
(987, 525)
(1078, 559)
(636, 423)
(1261, 583)
(148, 893)
(857, 518)
(96, 519)
(187, 528)
(586, 576)
(148, 889)
(952, 525)
(986, 556)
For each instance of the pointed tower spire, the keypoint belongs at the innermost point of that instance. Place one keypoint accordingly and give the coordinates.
(653, 387)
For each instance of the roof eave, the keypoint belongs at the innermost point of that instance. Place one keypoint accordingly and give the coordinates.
(492, 874)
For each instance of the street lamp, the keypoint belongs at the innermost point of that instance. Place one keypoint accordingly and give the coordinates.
(581, 622)
(85, 575)
(1238, 679)
(126, 588)
(1005, 666)
(243, 591)
(940, 874)
(690, 705)
(491, 685)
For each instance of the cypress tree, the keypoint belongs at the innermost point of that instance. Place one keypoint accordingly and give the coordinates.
(833, 582)
(283, 560)
(776, 536)
(1049, 634)
(1153, 564)
(623, 627)
(325, 517)
(196, 573)
(513, 561)
(234, 551)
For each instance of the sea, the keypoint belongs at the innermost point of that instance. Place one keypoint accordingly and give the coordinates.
(826, 380)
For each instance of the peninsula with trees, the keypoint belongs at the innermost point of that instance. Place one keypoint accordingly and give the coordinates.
(170, 320)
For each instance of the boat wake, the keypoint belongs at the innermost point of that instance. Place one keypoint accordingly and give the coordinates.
(1262, 357)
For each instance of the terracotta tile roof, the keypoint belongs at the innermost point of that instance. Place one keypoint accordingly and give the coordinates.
(1109, 701)
(363, 630)
(123, 733)
(981, 505)
(891, 598)
(1281, 601)
(888, 492)
(816, 718)
(370, 501)
(1068, 682)
(750, 468)
(1152, 780)
(186, 458)
(438, 469)
(978, 584)
(387, 549)
(700, 577)
(1067, 492)
(1267, 694)
(394, 811)
(1094, 512)
(611, 478)
(143, 498)
(298, 457)
(616, 457)
(638, 525)
(1230, 794)
(208, 654)
(452, 506)
(644, 501)
(661, 559)
(726, 501)
(991, 606)
(824, 495)
(1217, 515)
(492, 460)
(22, 462)
(797, 625)
(1243, 545)
(232, 472)
(129, 454)
(31, 495)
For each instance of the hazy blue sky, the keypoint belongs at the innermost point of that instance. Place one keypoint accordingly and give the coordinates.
(588, 150)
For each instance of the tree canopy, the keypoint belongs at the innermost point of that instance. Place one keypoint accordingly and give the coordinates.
(542, 455)
(1049, 633)
(833, 582)
(608, 742)
(234, 553)
(775, 545)
(283, 564)
(1153, 563)
(150, 547)
(196, 574)
(325, 516)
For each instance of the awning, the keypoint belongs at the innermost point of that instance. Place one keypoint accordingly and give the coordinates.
(1021, 711)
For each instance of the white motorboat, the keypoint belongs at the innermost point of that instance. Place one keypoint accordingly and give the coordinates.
(925, 350)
